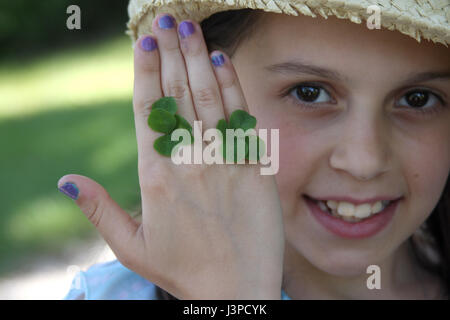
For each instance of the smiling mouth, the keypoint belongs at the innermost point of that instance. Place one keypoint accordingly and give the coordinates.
(350, 212)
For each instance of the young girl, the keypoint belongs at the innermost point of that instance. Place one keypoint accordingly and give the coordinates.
(364, 141)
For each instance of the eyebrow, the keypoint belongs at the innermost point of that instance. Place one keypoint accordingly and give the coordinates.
(427, 76)
(299, 68)
(296, 68)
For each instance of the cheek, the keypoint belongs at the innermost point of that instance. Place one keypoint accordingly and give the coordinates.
(423, 163)
(426, 165)
(297, 158)
(300, 147)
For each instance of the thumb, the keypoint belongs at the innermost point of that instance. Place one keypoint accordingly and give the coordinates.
(112, 222)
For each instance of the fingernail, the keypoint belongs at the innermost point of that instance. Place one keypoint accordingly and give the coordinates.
(185, 29)
(148, 44)
(218, 60)
(166, 22)
(70, 189)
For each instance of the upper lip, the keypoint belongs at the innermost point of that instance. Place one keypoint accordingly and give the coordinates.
(354, 200)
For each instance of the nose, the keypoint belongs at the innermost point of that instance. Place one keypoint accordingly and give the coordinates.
(362, 148)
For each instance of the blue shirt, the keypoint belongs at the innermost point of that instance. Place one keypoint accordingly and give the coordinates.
(113, 281)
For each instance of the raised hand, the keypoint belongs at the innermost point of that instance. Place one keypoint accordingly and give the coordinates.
(207, 231)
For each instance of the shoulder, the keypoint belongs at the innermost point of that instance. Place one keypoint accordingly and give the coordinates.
(110, 281)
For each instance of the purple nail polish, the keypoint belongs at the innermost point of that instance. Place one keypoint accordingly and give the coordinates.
(70, 189)
(218, 60)
(148, 44)
(185, 29)
(166, 22)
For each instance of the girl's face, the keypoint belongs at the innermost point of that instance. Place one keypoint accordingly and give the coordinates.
(363, 115)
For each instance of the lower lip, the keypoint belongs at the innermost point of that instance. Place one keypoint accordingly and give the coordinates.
(354, 230)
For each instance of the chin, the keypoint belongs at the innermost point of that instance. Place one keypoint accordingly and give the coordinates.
(343, 261)
(348, 264)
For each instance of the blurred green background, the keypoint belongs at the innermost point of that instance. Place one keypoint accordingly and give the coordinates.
(65, 107)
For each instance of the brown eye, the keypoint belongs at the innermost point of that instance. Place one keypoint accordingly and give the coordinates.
(308, 94)
(417, 99)
(311, 94)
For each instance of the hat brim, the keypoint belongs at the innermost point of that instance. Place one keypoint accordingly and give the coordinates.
(427, 21)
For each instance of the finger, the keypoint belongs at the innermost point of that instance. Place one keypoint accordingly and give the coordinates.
(232, 94)
(113, 223)
(147, 89)
(173, 69)
(202, 81)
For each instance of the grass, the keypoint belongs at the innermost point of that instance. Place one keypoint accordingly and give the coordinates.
(82, 76)
(70, 112)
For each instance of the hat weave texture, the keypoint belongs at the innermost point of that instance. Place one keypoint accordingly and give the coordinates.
(420, 19)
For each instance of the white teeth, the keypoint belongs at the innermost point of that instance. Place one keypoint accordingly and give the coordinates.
(346, 209)
(377, 207)
(332, 204)
(363, 210)
(350, 212)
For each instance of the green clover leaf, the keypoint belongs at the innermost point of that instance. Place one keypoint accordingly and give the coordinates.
(164, 145)
(222, 125)
(242, 119)
(161, 120)
(166, 103)
(182, 123)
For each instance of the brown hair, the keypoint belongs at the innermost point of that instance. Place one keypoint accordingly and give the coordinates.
(431, 243)
(225, 31)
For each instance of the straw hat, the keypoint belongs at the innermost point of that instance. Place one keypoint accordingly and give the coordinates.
(428, 19)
